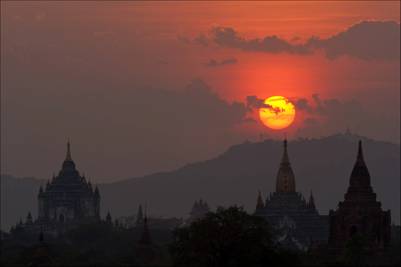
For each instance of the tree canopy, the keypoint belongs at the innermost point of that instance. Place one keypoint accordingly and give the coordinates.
(227, 237)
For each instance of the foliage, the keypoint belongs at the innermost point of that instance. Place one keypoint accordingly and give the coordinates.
(355, 251)
(95, 244)
(228, 237)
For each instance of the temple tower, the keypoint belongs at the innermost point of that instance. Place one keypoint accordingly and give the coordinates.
(360, 213)
(299, 223)
(68, 197)
(285, 181)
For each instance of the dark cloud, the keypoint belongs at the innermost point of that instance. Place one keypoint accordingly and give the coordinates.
(201, 39)
(325, 116)
(253, 102)
(367, 40)
(224, 62)
(323, 107)
(326, 106)
(302, 104)
(225, 36)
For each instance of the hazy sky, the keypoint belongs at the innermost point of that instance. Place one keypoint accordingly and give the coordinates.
(144, 87)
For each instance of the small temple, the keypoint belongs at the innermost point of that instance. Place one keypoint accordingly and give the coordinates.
(199, 210)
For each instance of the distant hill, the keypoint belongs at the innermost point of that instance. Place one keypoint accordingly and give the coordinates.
(18, 197)
(322, 165)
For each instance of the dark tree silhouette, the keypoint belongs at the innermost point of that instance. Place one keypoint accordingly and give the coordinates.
(355, 251)
(228, 237)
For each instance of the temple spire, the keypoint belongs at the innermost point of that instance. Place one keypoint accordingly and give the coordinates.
(68, 168)
(139, 216)
(145, 236)
(285, 158)
(360, 152)
(311, 202)
(285, 182)
(259, 203)
(360, 177)
(68, 156)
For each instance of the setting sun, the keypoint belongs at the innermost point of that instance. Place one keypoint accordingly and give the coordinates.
(278, 112)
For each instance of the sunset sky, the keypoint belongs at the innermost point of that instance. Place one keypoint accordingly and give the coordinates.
(144, 87)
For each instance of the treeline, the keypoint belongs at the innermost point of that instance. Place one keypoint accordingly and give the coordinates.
(227, 237)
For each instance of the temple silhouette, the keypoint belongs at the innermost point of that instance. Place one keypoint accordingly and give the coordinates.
(297, 221)
(66, 201)
(360, 213)
(69, 200)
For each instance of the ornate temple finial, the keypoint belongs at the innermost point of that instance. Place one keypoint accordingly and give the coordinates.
(285, 181)
(145, 237)
(360, 152)
(259, 202)
(360, 177)
(68, 164)
(311, 202)
(285, 154)
(68, 156)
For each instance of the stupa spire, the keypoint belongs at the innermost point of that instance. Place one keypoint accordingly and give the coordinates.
(360, 177)
(360, 152)
(68, 155)
(259, 203)
(311, 202)
(145, 236)
(68, 164)
(285, 158)
(285, 177)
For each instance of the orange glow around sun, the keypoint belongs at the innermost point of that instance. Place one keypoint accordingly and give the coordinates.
(278, 112)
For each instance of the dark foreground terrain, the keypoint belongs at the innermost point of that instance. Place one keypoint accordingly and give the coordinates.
(227, 237)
